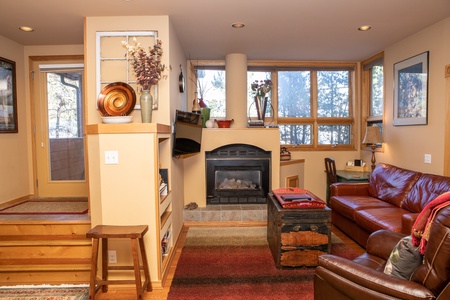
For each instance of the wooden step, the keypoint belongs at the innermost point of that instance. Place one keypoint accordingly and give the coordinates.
(44, 277)
(48, 268)
(71, 230)
(38, 252)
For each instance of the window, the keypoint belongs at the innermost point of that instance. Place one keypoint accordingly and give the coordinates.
(372, 93)
(112, 59)
(207, 78)
(311, 105)
(251, 106)
(211, 89)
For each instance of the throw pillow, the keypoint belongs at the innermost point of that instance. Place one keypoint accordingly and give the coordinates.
(404, 259)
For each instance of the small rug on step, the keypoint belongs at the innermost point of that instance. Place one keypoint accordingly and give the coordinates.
(45, 292)
(236, 263)
(44, 207)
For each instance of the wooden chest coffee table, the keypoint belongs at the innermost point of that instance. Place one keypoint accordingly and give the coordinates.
(297, 237)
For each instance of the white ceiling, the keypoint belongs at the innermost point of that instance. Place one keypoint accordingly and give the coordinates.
(276, 30)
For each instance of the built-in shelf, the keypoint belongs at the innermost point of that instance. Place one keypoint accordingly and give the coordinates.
(165, 216)
(164, 197)
(144, 150)
(129, 128)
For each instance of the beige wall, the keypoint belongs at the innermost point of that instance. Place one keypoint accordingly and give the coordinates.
(406, 145)
(177, 101)
(15, 159)
(136, 23)
(170, 98)
(16, 153)
(135, 147)
(194, 175)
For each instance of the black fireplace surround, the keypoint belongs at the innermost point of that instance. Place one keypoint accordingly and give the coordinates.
(237, 174)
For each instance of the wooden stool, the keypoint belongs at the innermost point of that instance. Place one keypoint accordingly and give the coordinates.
(105, 232)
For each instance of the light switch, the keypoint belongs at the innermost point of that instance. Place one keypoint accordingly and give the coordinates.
(111, 157)
(427, 158)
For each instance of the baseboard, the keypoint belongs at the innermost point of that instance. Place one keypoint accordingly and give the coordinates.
(17, 200)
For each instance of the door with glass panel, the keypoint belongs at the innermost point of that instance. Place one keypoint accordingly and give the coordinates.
(59, 129)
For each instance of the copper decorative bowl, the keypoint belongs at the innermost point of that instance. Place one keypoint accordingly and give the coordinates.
(116, 99)
(224, 123)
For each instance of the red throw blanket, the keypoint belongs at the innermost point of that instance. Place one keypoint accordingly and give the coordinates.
(421, 230)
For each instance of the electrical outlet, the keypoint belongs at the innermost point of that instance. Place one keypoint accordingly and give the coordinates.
(427, 158)
(111, 157)
(112, 256)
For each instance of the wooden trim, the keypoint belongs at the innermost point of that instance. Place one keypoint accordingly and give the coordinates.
(44, 261)
(292, 181)
(292, 162)
(63, 239)
(447, 122)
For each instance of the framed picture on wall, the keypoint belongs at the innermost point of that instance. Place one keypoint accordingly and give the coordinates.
(411, 91)
(8, 98)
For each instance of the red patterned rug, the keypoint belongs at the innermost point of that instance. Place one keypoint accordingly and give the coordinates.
(232, 263)
(45, 292)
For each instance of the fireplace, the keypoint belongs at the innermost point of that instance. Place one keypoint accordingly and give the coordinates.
(237, 174)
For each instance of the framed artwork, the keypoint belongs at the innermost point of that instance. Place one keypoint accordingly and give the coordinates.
(411, 91)
(8, 96)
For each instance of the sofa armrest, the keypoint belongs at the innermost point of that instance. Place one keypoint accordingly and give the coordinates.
(381, 242)
(349, 189)
(408, 221)
(354, 280)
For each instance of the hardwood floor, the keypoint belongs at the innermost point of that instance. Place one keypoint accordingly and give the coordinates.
(122, 293)
(126, 293)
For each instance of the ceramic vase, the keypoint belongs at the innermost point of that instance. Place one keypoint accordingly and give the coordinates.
(205, 112)
(195, 106)
(261, 106)
(146, 100)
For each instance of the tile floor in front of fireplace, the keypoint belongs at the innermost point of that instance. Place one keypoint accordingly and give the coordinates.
(224, 213)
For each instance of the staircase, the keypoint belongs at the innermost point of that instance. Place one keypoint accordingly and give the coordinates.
(44, 252)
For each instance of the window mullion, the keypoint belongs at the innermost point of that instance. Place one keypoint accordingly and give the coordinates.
(274, 95)
(314, 108)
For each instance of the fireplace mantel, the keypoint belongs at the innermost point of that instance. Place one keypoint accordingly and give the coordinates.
(212, 138)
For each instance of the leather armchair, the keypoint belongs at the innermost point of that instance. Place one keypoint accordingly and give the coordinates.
(338, 278)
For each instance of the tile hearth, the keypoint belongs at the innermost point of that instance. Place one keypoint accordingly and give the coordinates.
(227, 213)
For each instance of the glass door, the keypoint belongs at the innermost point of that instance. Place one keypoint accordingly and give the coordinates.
(60, 144)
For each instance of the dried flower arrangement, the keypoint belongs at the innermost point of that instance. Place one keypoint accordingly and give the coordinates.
(260, 88)
(147, 67)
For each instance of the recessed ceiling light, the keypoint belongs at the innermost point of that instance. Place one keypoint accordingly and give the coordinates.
(238, 25)
(26, 28)
(364, 27)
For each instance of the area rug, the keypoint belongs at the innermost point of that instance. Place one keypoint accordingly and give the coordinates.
(236, 263)
(45, 292)
(43, 207)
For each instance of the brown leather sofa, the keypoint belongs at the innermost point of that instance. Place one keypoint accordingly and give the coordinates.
(391, 200)
(363, 278)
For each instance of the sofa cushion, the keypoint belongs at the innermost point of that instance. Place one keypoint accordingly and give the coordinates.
(391, 184)
(426, 189)
(347, 205)
(404, 259)
(373, 219)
